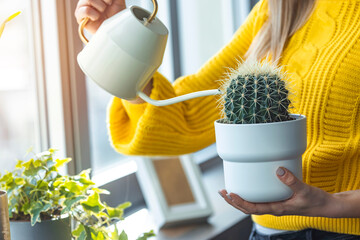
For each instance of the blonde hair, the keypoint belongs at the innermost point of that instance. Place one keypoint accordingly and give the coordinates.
(285, 18)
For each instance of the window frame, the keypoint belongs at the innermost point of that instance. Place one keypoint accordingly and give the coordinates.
(42, 126)
(63, 88)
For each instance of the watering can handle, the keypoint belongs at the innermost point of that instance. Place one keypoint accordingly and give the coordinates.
(181, 98)
(86, 20)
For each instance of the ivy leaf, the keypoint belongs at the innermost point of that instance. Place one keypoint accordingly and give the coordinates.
(93, 204)
(27, 165)
(19, 164)
(43, 185)
(86, 181)
(59, 181)
(38, 163)
(101, 191)
(30, 169)
(19, 181)
(82, 236)
(7, 178)
(118, 211)
(99, 236)
(80, 232)
(50, 164)
(52, 150)
(115, 233)
(36, 209)
(77, 232)
(123, 236)
(124, 205)
(68, 203)
(62, 162)
(147, 235)
(73, 186)
(13, 206)
(85, 173)
(25, 208)
(114, 212)
(88, 232)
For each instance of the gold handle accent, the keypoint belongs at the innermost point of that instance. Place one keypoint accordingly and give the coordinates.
(153, 15)
(86, 20)
(81, 30)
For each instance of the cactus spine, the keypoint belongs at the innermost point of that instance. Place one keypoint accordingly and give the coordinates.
(255, 93)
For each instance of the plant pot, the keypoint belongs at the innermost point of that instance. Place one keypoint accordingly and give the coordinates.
(58, 229)
(253, 152)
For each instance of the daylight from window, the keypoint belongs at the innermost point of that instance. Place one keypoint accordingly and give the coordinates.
(18, 110)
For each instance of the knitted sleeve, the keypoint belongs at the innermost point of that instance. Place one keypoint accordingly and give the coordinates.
(143, 129)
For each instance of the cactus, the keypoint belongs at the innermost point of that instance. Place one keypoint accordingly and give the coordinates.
(255, 93)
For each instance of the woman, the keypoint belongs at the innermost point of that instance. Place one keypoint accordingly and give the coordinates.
(318, 44)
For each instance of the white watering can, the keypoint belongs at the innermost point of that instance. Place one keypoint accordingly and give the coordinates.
(125, 52)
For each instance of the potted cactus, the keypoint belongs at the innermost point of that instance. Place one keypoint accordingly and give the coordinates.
(257, 134)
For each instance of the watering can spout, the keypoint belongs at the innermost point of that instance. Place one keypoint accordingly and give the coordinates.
(178, 99)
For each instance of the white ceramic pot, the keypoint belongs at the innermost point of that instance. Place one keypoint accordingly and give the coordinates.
(253, 152)
(45, 230)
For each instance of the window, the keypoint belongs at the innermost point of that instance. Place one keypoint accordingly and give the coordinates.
(19, 112)
(204, 27)
(188, 47)
(45, 99)
(103, 156)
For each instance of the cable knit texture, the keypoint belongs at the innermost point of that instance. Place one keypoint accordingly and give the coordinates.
(323, 61)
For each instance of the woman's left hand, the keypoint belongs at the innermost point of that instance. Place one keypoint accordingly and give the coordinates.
(306, 200)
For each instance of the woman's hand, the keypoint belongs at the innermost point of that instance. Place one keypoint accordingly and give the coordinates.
(306, 200)
(98, 11)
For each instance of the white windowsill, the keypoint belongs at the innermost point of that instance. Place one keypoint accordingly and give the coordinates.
(205, 154)
(128, 166)
(223, 218)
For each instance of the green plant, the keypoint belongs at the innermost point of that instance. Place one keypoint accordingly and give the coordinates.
(255, 93)
(38, 191)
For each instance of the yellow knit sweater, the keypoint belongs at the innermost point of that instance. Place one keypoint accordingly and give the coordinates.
(323, 60)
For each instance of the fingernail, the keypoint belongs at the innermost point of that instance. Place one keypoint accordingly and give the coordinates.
(228, 196)
(280, 171)
(220, 193)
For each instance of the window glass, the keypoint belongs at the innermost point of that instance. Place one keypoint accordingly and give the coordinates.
(201, 29)
(205, 26)
(18, 110)
(103, 156)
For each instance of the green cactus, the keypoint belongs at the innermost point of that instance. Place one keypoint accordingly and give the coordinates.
(255, 93)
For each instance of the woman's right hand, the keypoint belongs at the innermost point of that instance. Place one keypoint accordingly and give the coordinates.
(97, 11)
